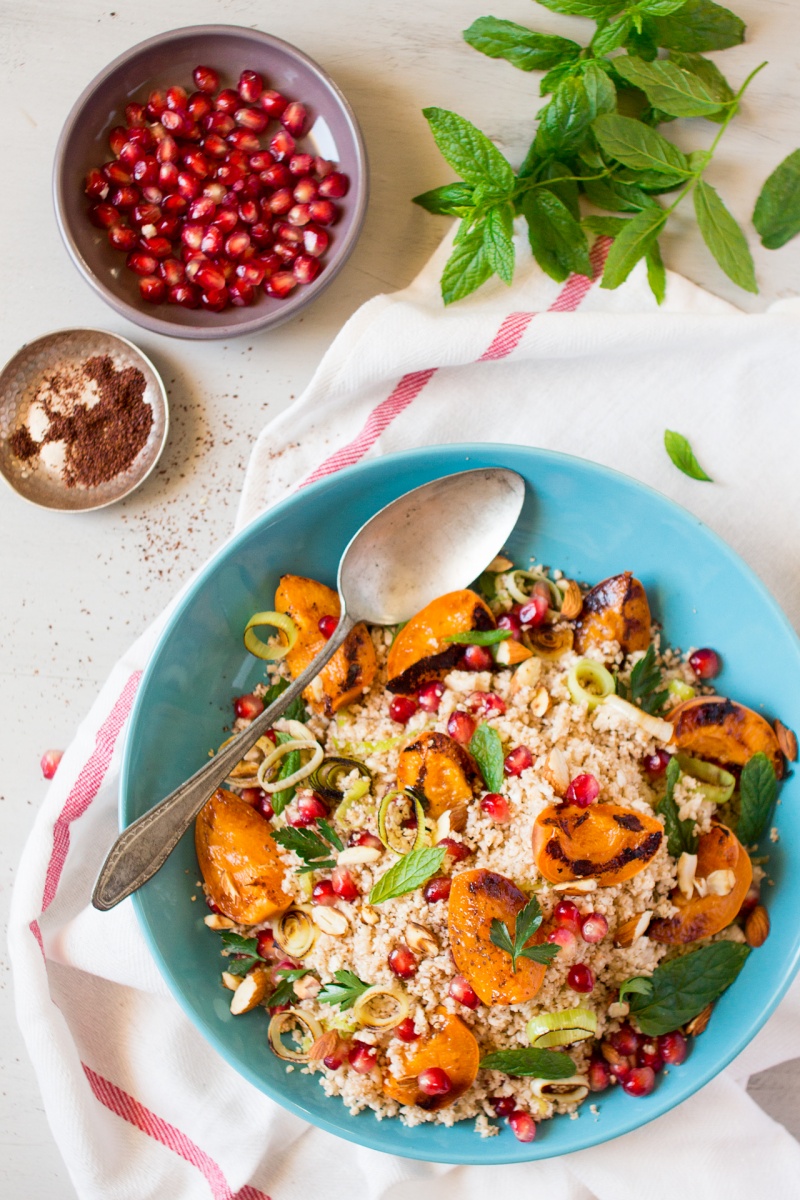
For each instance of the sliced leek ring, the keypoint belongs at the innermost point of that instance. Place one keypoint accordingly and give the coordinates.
(357, 792)
(589, 682)
(391, 838)
(267, 650)
(266, 767)
(716, 784)
(561, 1028)
(295, 932)
(654, 727)
(370, 1009)
(514, 583)
(565, 1091)
(684, 691)
(334, 768)
(282, 1023)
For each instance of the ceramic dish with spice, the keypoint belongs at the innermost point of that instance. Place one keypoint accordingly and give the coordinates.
(83, 419)
(593, 524)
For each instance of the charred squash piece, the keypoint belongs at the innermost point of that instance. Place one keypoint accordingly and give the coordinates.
(476, 899)
(607, 842)
(726, 732)
(614, 610)
(420, 653)
(239, 860)
(702, 916)
(454, 1049)
(433, 764)
(353, 666)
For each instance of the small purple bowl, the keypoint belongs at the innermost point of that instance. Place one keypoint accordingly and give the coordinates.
(161, 62)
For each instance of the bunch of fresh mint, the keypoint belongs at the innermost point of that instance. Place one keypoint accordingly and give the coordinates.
(597, 137)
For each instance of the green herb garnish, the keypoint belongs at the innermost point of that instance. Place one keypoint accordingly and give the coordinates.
(681, 836)
(638, 985)
(682, 988)
(296, 711)
(284, 993)
(345, 991)
(479, 637)
(289, 764)
(487, 750)
(645, 685)
(413, 869)
(758, 787)
(247, 948)
(315, 852)
(777, 211)
(527, 1060)
(683, 457)
(528, 921)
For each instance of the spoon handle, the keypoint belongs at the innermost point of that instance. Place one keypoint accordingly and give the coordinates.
(144, 847)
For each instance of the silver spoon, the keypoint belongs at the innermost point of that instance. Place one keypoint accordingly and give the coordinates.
(432, 540)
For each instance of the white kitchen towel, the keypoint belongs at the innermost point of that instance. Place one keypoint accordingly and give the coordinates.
(139, 1104)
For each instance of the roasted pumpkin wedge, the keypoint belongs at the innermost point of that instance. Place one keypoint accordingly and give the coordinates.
(607, 842)
(702, 916)
(239, 860)
(723, 731)
(353, 666)
(615, 610)
(442, 770)
(420, 652)
(453, 1048)
(476, 899)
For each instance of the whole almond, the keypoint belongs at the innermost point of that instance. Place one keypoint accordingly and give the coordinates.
(698, 1024)
(786, 740)
(756, 928)
(573, 601)
(556, 771)
(627, 933)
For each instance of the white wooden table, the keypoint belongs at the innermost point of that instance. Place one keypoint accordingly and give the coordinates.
(76, 590)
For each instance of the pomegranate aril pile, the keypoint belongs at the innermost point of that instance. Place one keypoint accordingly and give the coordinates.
(209, 201)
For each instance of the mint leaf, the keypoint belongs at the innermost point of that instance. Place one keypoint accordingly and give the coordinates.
(284, 993)
(479, 637)
(638, 985)
(521, 47)
(466, 268)
(700, 25)
(558, 178)
(498, 240)
(637, 146)
(345, 991)
(595, 10)
(527, 1060)
(451, 200)
(758, 787)
(296, 711)
(659, 8)
(564, 122)
(611, 37)
(656, 274)
(668, 87)
(289, 764)
(557, 240)
(683, 987)
(554, 78)
(709, 75)
(681, 835)
(468, 151)
(600, 90)
(632, 244)
(777, 211)
(683, 457)
(604, 226)
(724, 238)
(487, 750)
(616, 196)
(414, 869)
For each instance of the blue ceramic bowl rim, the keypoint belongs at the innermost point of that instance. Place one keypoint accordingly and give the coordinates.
(295, 303)
(452, 455)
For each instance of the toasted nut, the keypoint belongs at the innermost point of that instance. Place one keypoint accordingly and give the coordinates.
(786, 740)
(356, 855)
(499, 564)
(420, 939)
(556, 771)
(720, 883)
(756, 929)
(307, 987)
(250, 992)
(370, 916)
(526, 675)
(458, 817)
(323, 1046)
(217, 921)
(576, 887)
(231, 982)
(627, 933)
(618, 1009)
(573, 601)
(698, 1024)
(540, 702)
(330, 920)
(509, 653)
(687, 866)
(442, 827)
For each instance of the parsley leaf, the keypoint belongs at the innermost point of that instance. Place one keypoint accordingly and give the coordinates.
(307, 845)
(681, 835)
(246, 948)
(645, 683)
(284, 993)
(487, 750)
(527, 922)
(479, 637)
(330, 834)
(682, 455)
(758, 787)
(413, 869)
(682, 988)
(527, 1060)
(345, 991)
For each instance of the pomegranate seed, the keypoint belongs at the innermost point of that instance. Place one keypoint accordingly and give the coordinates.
(582, 791)
(334, 186)
(639, 1081)
(188, 185)
(213, 907)
(220, 123)
(244, 140)
(656, 764)
(522, 1125)
(437, 889)
(327, 626)
(241, 294)
(209, 277)
(115, 172)
(304, 191)
(406, 1031)
(312, 806)
(534, 612)
(261, 234)
(287, 254)
(253, 119)
(199, 106)
(250, 86)
(227, 101)
(277, 176)
(618, 1065)
(485, 704)
(226, 220)
(305, 268)
(145, 214)
(177, 99)
(456, 851)
(504, 1106)
(302, 165)
(705, 663)
(430, 694)
(599, 1075)
(197, 163)
(202, 209)
(251, 273)
(215, 299)
(117, 138)
(125, 197)
(248, 212)
(265, 807)
(49, 762)
(325, 212)
(168, 180)
(213, 240)
(96, 185)
(673, 1048)
(141, 263)
(333, 1061)
(290, 234)
(184, 294)
(750, 901)
(362, 1058)
(272, 103)
(563, 936)
(299, 214)
(462, 991)
(152, 289)
(251, 795)
(159, 247)
(509, 621)
(130, 154)
(625, 1040)
(434, 1081)
(248, 707)
(519, 759)
(580, 978)
(265, 943)
(475, 658)
(194, 264)
(214, 146)
(402, 709)
(403, 962)
(362, 837)
(168, 151)
(175, 122)
(122, 238)
(135, 114)
(156, 103)
(205, 79)
(280, 284)
(323, 893)
(496, 806)
(294, 117)
(649, 1056)
(262, 160)
(460, 727)
(567, 913)
(280, 202)
(282, 145)
(594, 927)
(343, 884)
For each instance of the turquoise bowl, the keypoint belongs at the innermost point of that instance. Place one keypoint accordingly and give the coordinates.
(591, 522)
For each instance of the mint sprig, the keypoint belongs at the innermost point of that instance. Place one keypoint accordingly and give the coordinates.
(528, 1060)
(682, 455)
(682, 988)
(527, 922)
(758, 787)
(486, 748)
(681, 835)
(412, 871)
(645, 685)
